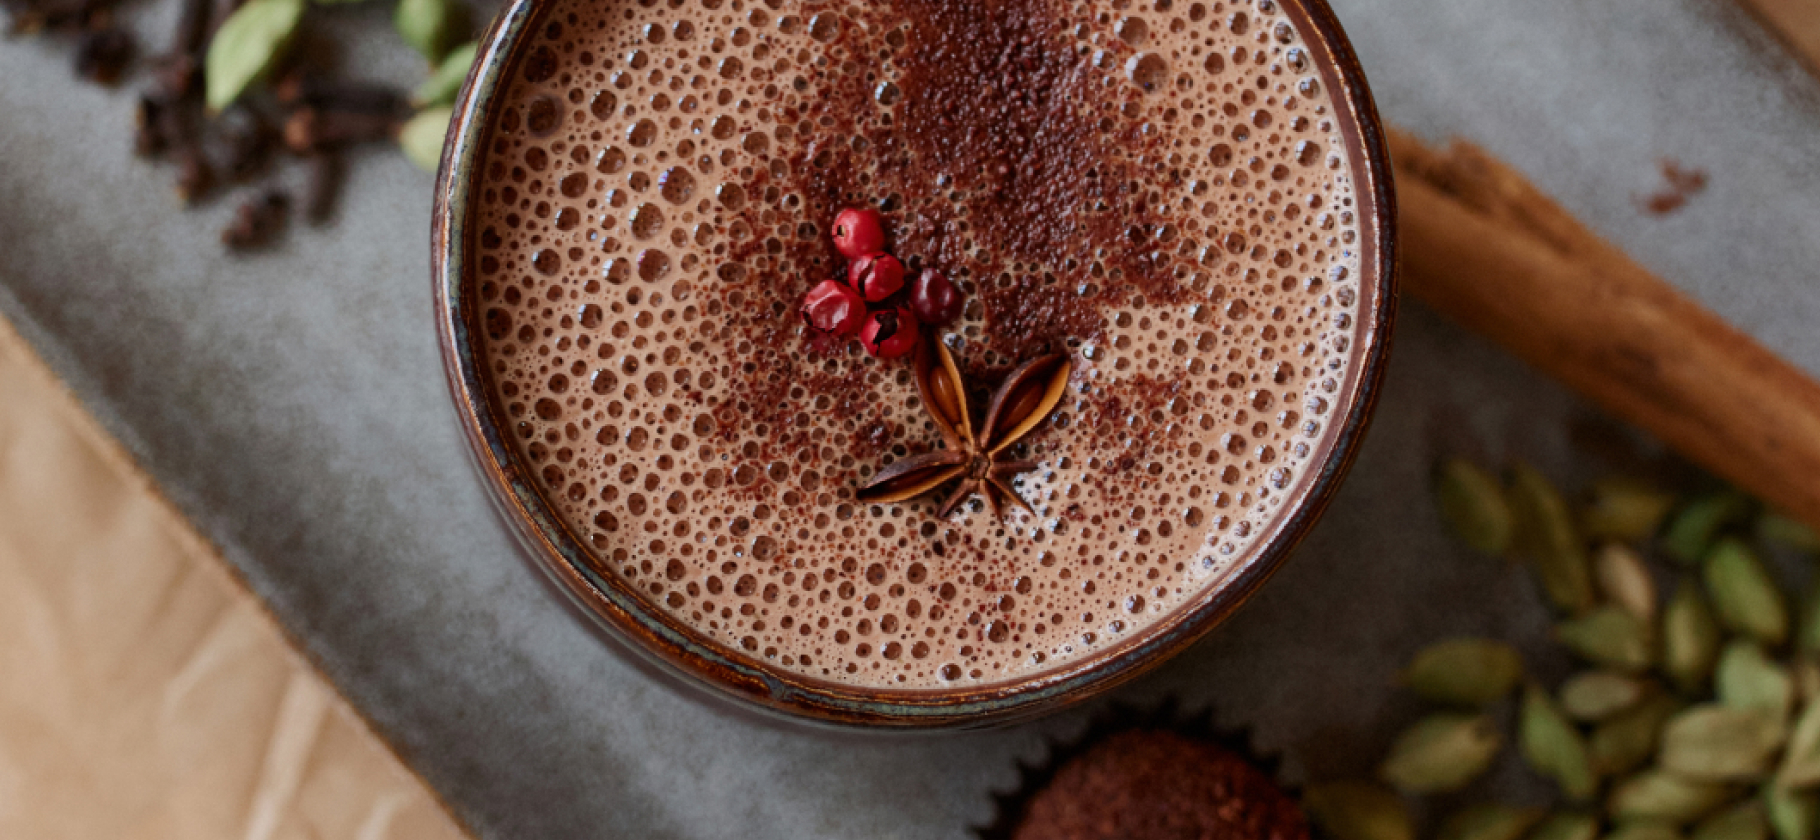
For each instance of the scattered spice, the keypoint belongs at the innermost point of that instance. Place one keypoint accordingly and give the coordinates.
(858, 232)
(102, 56)
(934, 299)
(832, 308)
(257, 222)
(207, 112)
(1683, 184)
(876, 276)
(1732, 724)
(893, 327)
(889, 333)
(975, 454)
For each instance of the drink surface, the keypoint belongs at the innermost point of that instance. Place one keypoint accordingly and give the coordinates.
(1159, 189)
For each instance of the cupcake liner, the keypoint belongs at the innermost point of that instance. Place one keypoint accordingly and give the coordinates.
(1011, 807)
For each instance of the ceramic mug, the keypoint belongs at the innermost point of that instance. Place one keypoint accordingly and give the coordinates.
(671, 647)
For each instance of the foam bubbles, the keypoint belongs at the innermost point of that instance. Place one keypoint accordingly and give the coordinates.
(655, 201)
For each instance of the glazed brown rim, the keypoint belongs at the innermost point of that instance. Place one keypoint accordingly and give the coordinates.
(678, 650)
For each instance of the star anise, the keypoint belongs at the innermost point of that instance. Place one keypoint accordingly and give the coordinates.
(975, 453)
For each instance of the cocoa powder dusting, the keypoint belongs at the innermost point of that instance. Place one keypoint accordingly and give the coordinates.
(1160, 785)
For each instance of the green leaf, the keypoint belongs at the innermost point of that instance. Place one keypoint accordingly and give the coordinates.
(1547, 537)
(1791, 813)
(1625, 510)
(1807, 636)
(426, 26)
(1741, 822)
(1690, 639)
(1489, 821)
(441, 87)
(1801, 763)
(1597, 695)
(1748, 679)
(1624, 580)
(1624, 742)
(422, 137)
(1441, 753)
(1608, 636)
(1780, 529)
(1357, 810)
(1714, 741)
(246, 46)
(1567, 826)
(1665, 796)
(1804, 672)
(1464, 672)
(1745, 598)
(1473, 506)
(1695, 526)
(1553, 747)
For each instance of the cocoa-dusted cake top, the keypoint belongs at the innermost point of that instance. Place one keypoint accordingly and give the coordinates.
(1157, 784)
(1158, 194)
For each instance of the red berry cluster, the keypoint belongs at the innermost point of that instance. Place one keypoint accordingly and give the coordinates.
(871, 299)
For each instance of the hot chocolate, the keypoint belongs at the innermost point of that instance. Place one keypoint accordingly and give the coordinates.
(1159, 191)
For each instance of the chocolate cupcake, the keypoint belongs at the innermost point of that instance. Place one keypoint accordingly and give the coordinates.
(1150, 776)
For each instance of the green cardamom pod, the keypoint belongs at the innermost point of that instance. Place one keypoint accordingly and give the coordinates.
(1801, 762)
(1807, 636)
(1644, 830)
(1553, 747)
(246, 46)
(1623, 743)
(422, 137)
(1746, 678)
(1624, 580)
(1665, 796)
(1791, 813)
(1625, 510)
(1745, 598)
(1441, 753)
(1358, 810)
(1805, 673)
(1464, 672)
(1567, 826)
(1744, 821)
(1780, 529)
(1690, 639)
(1489, 821)
(1696, 524)
(1714, 741)
(1473, 506)
(1547, 536)
(1597, 695)
(441, 87)
(426, 26)
(1609, 636)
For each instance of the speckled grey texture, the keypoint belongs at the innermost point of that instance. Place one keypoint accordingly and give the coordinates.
(293, 405)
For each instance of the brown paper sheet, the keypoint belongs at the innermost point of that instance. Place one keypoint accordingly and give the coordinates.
(1797, 22)
(143, 693)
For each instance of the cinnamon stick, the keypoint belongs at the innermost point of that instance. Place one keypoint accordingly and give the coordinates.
(1484, 247)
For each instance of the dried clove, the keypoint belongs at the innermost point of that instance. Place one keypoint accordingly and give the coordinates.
(257, 221)
(194, 175)
(309, 129)
(328, 167)
(102, 55)
(149, 136)
(300, 88)
(246, 141)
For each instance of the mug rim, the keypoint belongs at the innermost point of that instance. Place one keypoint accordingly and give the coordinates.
(678, 651)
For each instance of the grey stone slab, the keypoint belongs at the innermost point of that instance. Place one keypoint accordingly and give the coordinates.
(293, 405)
